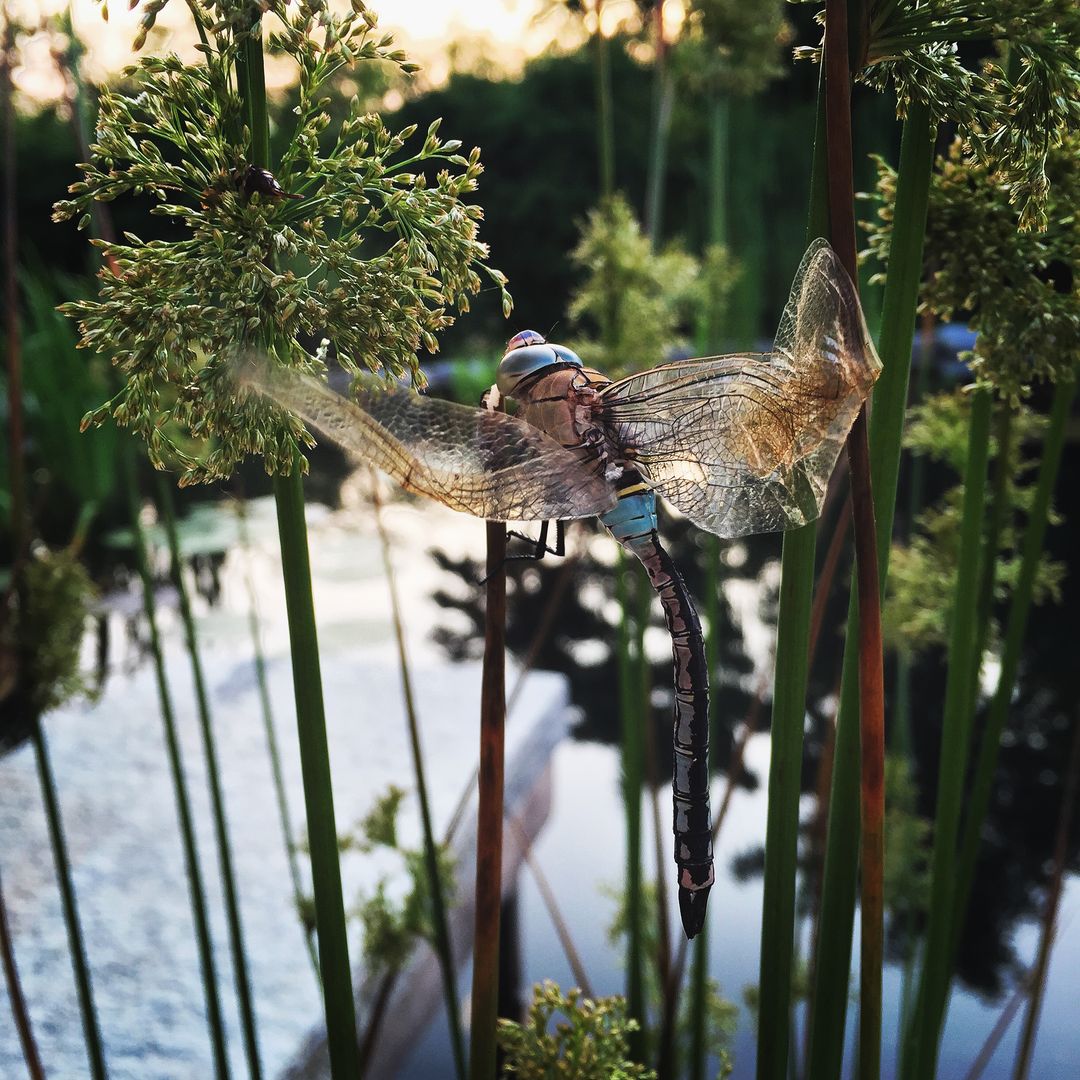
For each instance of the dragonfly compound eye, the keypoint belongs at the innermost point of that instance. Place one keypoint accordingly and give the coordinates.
(521, 362)
(524, 338)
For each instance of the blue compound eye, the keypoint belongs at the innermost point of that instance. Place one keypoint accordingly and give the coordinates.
(567, 356)
(524, 338)
(521, 362)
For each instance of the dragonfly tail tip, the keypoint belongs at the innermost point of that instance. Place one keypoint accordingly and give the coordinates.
(692, 904)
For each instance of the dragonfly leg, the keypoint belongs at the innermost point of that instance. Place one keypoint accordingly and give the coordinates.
(539, 545)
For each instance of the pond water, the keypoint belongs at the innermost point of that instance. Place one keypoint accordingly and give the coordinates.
(110, 767)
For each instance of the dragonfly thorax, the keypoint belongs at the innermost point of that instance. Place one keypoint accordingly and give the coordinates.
(529, 354)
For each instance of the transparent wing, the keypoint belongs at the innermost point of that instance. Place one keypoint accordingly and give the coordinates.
(483, 463)
(745, 444)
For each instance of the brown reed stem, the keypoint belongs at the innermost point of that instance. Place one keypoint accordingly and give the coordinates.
(19, 1012)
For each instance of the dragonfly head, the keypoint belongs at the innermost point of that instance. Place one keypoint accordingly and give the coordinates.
(527, 354)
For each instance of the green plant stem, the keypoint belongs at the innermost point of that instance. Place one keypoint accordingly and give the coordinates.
(830, 991)
(1053, 903)
(183, 802)
(20, 1015)
(955, 739)
(663, 106)
(334, 963)
(489, 825)
(217, 798)
(632, 769)
(76, 943)
(785, 764)
(431, 851)
(318, 792)
(273, 745)
(605, 117)
(871, 681)
(1016, 627)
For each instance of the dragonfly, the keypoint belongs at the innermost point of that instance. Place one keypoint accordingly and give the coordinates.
(739, 444)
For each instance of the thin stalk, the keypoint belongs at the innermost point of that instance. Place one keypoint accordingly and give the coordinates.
(489, 825)
(632, 769)
(217, 798)
(785, 765)
(955, 739)
(663, 106)
(871, 663)
(183, 802)
(830, 990)
(431, 851)
(272, 744)
(76, 943)
(997, 1032)
(315, 767)
(1053, 903)
(605, 116)
(1016, 627)
(334, 963)
(19, 1012)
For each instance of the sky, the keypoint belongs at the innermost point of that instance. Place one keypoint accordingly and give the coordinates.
(505, 32)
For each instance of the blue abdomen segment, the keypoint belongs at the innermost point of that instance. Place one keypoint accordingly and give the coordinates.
(635, 516)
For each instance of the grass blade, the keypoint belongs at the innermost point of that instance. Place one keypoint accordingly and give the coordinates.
(217, 799)
(485, 982)
(955, 739)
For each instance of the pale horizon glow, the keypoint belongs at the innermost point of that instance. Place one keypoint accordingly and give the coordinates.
(499, 35)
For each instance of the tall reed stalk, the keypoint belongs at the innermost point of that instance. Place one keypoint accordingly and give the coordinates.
(334, 963)
(871, 681)
(20, 1015)
(1016, 628)
(19, 514)
(831, 977)
(605, 102)
(241, 974)
(431, 852)
(196, 890)
(955, 740)
(489, 826)
(272, 743)
(788, 718)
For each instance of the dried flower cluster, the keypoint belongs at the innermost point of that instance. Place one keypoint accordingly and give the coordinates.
(374, 258)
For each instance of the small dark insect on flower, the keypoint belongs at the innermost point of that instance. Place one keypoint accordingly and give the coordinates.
(253, 179)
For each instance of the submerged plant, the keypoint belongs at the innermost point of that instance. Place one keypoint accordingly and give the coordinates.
(353, 239)
(589, 1043)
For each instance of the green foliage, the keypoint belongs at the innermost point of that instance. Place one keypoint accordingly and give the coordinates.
(634, 305)
(48, 633)
(392, 928)
(732, 48)
(1019, 290)
(375, 255)
(922, 574)
(591, 1043)
(1014, 109)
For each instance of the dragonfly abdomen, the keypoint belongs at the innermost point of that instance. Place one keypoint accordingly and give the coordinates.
(633, 524)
